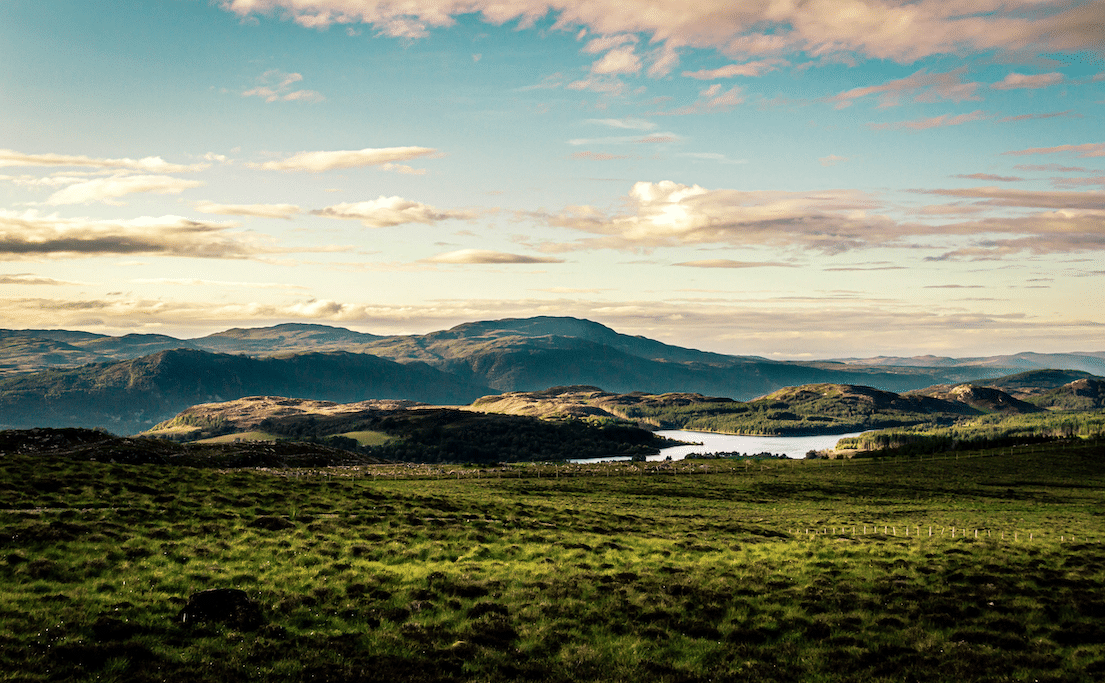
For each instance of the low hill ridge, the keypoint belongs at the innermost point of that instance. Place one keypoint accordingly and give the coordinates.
(131, 396)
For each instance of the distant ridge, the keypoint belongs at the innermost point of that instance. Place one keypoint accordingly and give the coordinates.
(130, 396)
(128, 383)
(1091, 362)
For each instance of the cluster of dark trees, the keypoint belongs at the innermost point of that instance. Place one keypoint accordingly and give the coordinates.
(445, 435)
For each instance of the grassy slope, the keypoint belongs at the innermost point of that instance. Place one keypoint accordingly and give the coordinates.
(611, 573)
(986, 431)
(240, 436)
(807, 409)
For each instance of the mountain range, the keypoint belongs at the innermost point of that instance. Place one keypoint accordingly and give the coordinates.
(129, 383)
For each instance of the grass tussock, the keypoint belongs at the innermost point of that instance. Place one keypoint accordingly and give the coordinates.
(781, 571)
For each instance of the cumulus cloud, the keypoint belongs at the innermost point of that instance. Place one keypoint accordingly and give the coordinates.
(623, 60)
(316, 162)
(34, 235)
(284, 211)
(389, 211)
(276, 86)
(878, 29)
(924, 86)
(10, 157)
(1016, 81)
(481, 256)
(933, 122)
(671, 214)
(108, 189)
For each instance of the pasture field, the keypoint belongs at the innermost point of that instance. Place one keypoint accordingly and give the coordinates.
(687, 571)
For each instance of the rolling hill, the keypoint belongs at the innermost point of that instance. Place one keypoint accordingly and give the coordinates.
(128, 383)
(134, 395)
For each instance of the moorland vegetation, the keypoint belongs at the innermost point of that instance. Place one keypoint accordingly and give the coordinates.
(989, 567)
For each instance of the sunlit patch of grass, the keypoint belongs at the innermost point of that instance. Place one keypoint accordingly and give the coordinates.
(368, 438)
(242, 436)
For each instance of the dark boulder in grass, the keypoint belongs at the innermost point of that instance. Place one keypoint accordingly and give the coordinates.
(270, 523)
(228, 606)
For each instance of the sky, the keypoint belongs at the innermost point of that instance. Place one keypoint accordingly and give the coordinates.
(782, 178)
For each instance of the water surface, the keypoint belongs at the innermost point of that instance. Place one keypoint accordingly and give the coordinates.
(708, 442)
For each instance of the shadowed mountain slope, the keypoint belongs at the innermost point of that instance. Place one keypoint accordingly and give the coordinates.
(285, 338)
(1087, 393)
(129, 396)
(1024, 385)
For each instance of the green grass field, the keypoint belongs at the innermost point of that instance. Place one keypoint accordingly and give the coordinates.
(686, 571)
(368, 438)
(241, 436)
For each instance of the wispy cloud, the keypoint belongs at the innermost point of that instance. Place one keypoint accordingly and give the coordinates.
(990, 176)
(712, 99)
(31, 279)
(602, 83)
(655, 138)
(1052, 168)
(1036, 117)
(317, 162)
(482, 256)
(924, 86)
(109, 189)
(1049, 199)
(198, 282)
(597, 156)
(628, 123)
(750, 69)
(933, 122)
(285, 211)
(389, 211)
(1016, 81)
(832, 160)
(1089, 149)
(728, 263)
(276, 86)
(712, 156)
(10, 157)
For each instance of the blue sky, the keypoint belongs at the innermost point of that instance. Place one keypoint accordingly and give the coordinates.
(792, 180)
